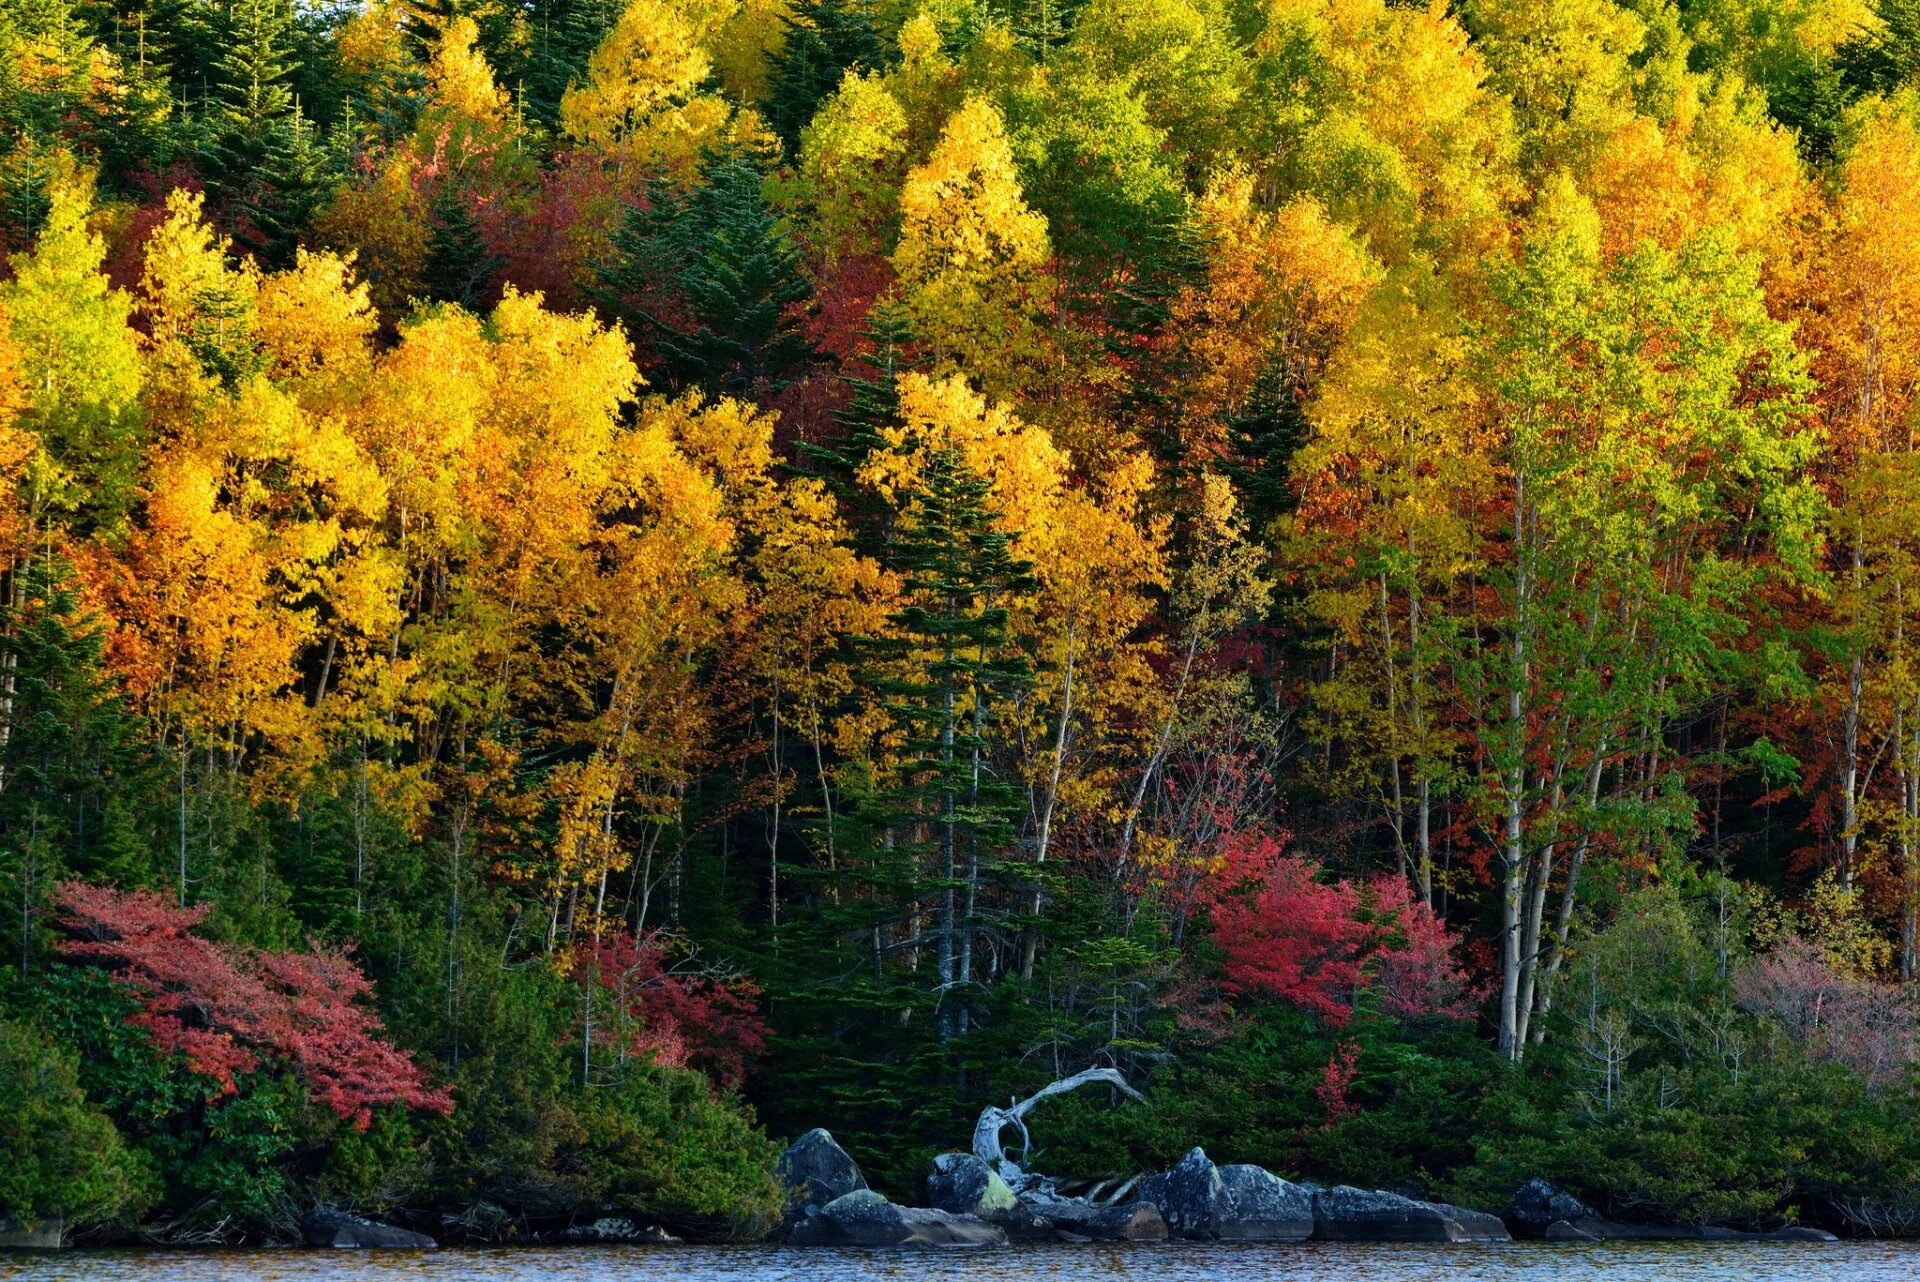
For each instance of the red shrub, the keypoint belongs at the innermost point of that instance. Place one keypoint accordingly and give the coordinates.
(1291, 937)
(224, 1009)
(677, 1013)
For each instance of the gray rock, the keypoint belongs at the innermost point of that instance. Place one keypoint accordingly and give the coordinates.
(817, 1171)
(615, 1228)
(1346, 1214)
(44, 1236)
(1131, 1222)
(1593, 1228)
(965, 1185)
(1538, 1203)
(1238, 1203)
(864, 1218)
(327, 1227)
(1261, 1207)
(1190, 1196)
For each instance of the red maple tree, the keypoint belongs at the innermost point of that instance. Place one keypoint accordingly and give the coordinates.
(678, 1012)
(224, 1009)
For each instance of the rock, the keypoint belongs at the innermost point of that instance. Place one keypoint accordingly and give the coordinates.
(615, 1228)
(326, 1227)
(1262, 1207)
(1132, 1222)
(44, 1236)
(1233, 1203)
(1594, 1228)
(963, 1184)
(817, 1171)
(864, 1218)
(1189, 1196)
(1346, 1214)
(1538, 1204)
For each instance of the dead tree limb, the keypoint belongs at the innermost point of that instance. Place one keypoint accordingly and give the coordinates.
(993, 1120)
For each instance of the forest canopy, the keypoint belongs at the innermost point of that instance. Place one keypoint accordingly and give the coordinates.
(585, 587)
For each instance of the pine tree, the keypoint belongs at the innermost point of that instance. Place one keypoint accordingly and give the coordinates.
(67, 748)
(873, 403)
(825, 39)
(459, 265)
(715, 280)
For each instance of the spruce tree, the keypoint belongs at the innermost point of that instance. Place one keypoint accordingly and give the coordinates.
(565, 34)
(459, 265)
(714, 279)
(873, 404)
(294, 184)
(253, 103)
(950, 658)
(824, 40)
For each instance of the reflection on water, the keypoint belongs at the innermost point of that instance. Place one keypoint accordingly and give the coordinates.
(1615, 1262)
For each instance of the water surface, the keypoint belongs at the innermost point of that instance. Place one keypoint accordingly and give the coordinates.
(1615, 1262)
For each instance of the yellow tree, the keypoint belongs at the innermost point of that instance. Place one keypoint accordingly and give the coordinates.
(972, 258)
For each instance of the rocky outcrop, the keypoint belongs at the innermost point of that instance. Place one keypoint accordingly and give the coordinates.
(817, 1171)
(1190, 1196)
(1202, 1201)
(1359, 1215)
(44, 1236)
(962, 1184)
(1542, 1210)
(864, 1218)
(327, 1227)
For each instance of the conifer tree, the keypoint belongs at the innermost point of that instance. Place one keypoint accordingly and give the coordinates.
(459, 265)
(254, 102)
(565, 34)
(825, 39)
(949, 660)
(294, 184)
(716, 281)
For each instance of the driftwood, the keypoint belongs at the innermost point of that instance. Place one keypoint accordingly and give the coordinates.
(993, 1120)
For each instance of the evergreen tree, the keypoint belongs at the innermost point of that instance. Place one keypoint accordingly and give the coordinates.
(294, 184)
(873, 403)
(253, 103)
(1883, 60)
(565, 34)
(824, 40)
(949, 660)
(459, 265)
(716, 281)
(67, 749)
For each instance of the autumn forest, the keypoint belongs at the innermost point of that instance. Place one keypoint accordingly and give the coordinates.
(588, 586)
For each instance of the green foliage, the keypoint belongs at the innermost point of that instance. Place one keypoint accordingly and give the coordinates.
(712, 277)
(59, 1154)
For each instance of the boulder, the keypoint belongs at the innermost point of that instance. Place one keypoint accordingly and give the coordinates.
(963, 1184)
(1190, 1196)
(1077, 1219)
(864, 1218)
(1131, 1222)
(327, 1227)
(1538, 1204)
(817, 1171)
(1232, 1203)
(1346, 1214)
(44, 1236)
(1261, 1207)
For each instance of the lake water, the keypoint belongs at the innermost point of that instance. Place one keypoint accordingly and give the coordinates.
(1615, 1262)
